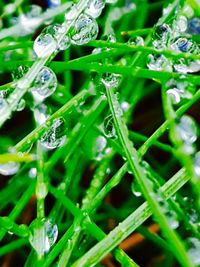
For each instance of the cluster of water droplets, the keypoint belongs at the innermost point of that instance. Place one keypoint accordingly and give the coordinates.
(44, 231)
(176, 36)
(55, 136)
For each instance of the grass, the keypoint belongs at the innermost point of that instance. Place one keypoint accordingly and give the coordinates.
(119, 164)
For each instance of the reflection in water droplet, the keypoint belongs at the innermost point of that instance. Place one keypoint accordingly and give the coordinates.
(111, 80)
(54, 137)
(135, 189)
(43, 235)
(85, 29)
(44, 45)
(109, 128)
(44, 84)
(95, 8)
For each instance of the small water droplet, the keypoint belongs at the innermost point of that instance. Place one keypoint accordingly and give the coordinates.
(85, 29)
(159, 63)
(54, 137)
(187, 129)
(111, 80)
(44, 84)
(95, 8)
(44, 45)
(9, 168)
(43, 235)
(32, 173)
(135, 189)
(99, 148)
(64, 43)
(41, 113)
(109, 128)
(193, 250)
(21, 105)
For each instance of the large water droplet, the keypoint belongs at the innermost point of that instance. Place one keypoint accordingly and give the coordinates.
(9, 168)
(43, 235)
(95, 8)
(44, 84)
(109, 128)
(187, 129)
(85, 29)
(54, 137)
(44, 45)
(111, 80)
(193, 250)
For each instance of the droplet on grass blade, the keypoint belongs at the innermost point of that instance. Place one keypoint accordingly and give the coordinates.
(197, 163)
(194, 26)
(44, 84)
(95, 8)
(111, 80)
(109, 128)
(43, 235)
(135, 189)
(41, 113)
(54, 137)
(193, 250)
(44, 45)
(9, 168)
(187, 129)
(85, 30)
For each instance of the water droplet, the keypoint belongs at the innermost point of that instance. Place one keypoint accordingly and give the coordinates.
(41, 190)
(64, 43)
(159, 63)
(9, 168)
(21, 105)
(187, 129)
(44, 84)
(43, 235)
(99, 148)
(125, 106)
(161, 31)
(194, 26)
(111, 80)
(197, 163)
(138, 41)
(41, 113)
(180, 24)
(44, 45)
(182, 44)
(85, 29)
(135, 189)
(193, 250)
(32, 173)
(109, 128)
(54, 137)
(95, 8)
(172, 219)
(54, 3)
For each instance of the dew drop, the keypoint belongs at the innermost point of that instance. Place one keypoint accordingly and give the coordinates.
(19, 72)
(193, 250)
(44, 84)
(64, 43)
(9, 168)
(187, 129)
(46, 232)
(44, 45)
(54, 137)
(95, 8)
(135, 189)
(41, 190)
(194, 26)
(159, 63)
(21, 105)
(111, 80)
(32, 173)
(41, 113)
(172, 219)
(109, 128)
(85, 29)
